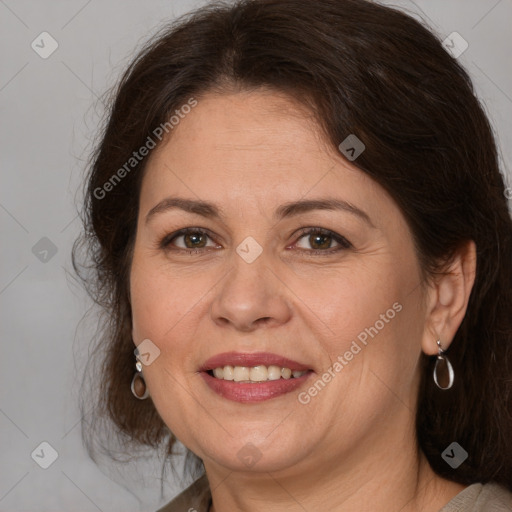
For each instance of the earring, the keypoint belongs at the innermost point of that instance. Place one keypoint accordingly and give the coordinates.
(138, 385)
(443, 370)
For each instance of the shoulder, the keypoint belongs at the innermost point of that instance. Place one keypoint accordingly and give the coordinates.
(195, 498)
(494, 497)
(489, 497)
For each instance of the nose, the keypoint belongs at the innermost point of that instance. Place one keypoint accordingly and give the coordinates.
(252, 295)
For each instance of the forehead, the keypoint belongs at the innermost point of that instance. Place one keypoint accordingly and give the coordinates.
(248, 127)
(259, 147)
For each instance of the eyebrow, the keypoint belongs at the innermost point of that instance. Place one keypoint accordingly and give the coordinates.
(290, 209)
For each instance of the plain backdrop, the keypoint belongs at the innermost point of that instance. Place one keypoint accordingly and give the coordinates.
(49, 116)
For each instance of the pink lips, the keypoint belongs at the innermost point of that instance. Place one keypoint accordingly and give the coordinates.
(252, 392)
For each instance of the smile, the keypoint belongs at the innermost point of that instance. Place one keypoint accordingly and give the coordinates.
(255, 377)
(261, 373)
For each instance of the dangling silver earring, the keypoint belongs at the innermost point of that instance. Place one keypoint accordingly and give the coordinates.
(443, 370)
(138, 385)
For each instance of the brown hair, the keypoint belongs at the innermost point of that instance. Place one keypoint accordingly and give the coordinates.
(362, 69)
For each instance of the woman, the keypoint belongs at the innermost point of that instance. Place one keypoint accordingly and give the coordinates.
(298, 222)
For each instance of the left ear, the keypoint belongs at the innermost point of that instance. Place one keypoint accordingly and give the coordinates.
(448, 298)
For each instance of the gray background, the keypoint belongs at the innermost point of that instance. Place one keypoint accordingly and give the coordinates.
(50, 113)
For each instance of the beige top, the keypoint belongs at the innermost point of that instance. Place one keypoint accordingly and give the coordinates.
(475, 498)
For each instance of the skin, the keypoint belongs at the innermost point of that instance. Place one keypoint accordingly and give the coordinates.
(353, 446)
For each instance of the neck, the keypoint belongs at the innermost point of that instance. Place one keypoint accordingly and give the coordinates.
(381, 478)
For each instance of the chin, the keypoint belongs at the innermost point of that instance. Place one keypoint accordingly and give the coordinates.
(254, 453)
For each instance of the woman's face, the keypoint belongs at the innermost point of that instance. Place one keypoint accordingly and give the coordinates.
(345, 303)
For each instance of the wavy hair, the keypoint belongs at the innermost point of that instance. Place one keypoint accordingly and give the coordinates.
(360, 68)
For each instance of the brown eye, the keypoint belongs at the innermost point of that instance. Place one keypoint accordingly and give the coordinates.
(321, 241)
(188, 239)
(193, 240)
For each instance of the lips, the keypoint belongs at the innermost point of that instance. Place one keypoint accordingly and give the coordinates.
(251, 360)
(246, 392)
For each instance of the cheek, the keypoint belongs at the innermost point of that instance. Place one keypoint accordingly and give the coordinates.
(165, 306)
(369, 323)
(351, 303)
(162, 298)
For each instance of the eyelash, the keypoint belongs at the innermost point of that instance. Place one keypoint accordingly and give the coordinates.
(343, 242)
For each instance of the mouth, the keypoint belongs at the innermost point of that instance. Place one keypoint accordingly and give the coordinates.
(253, 377)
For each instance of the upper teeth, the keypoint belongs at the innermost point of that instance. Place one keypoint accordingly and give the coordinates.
(255, 373)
